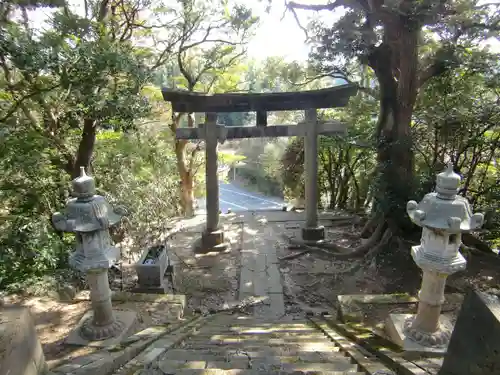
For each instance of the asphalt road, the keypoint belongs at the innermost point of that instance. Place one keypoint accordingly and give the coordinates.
(238, 198)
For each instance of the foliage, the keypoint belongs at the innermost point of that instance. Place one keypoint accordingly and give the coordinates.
(208, 44)
(135, 171)
(85, 91)
(69, 80)
(406, 44)
(456, 121)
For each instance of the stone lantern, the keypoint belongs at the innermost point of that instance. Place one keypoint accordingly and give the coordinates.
(90, 216)
(443, 216)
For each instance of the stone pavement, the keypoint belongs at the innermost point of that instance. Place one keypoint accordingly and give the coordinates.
(260, 275)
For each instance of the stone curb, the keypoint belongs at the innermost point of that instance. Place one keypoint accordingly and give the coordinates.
(367, 361)
(105, 361)
(385, 354)
(119, 296)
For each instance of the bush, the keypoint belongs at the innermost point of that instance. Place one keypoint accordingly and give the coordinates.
(258, 179)
(139, 172)
(136, 171)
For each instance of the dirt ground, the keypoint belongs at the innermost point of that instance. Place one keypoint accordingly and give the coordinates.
(311, 282)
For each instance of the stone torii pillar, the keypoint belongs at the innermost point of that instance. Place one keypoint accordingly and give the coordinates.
(212, 239)
(311, 231)
(262, 103)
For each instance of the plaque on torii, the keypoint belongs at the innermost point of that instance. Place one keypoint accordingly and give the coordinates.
(262, 103)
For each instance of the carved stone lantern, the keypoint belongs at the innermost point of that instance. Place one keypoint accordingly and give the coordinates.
(443, 216)
(90, 216)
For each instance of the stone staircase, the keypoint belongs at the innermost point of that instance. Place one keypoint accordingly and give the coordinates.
(233, 344)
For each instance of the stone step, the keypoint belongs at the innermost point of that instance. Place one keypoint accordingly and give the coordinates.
(264, 324)
(258, 330)
(253, 340)
(248, 372)
(278, 356)
(306, 347)
(260, 336)
(173, 367)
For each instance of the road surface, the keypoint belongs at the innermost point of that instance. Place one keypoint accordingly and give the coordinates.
(237, 198)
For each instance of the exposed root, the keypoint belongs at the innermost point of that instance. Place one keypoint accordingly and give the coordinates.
(370, 226)
(295, 255)
(342, 251)
(472, 241)
(240, 306)
(369, 255)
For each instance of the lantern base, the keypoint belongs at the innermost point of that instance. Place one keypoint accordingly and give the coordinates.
(87, 334)
(313, 234)
(397, 326)
(211, 241)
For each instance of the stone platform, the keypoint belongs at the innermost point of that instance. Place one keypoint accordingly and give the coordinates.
(395, 328)
(126, 318)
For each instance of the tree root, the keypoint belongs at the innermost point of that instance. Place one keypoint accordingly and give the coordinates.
(370, 226)
(472, 241)
(295, 255)
(237, 306)
(342, 251)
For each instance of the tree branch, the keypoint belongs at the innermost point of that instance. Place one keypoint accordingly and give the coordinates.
(317, 7)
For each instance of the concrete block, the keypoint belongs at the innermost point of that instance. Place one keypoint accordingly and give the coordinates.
(474, 347)
(20, 349)
(151, 275)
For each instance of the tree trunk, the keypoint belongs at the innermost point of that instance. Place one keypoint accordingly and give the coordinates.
(85, 148)
(395, 65)
(186, 179)
(184, 168)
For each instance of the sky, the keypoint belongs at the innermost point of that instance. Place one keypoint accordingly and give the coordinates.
(278, 33)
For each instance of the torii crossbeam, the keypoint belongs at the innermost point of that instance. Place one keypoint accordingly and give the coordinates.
(211, 132)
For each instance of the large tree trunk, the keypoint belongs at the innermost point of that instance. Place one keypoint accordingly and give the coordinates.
(184, 167)
(395, 65)
(85, 148)
(186, 179)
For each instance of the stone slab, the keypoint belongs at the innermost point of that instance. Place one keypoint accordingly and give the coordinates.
(394, 328)
(20, 349)
(274, 285)
(354, 307)
(273, 308)
(474, 347)
(129, 318)
(246, 279)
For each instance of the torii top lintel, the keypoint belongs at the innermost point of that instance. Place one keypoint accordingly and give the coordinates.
(187, 102)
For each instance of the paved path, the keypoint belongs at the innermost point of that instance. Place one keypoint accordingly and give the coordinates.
(260, 275)
(237, 198)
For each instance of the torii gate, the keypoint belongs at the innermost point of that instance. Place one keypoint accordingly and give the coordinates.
(212, 238)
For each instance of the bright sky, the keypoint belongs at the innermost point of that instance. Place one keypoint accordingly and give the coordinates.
(278, 33)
